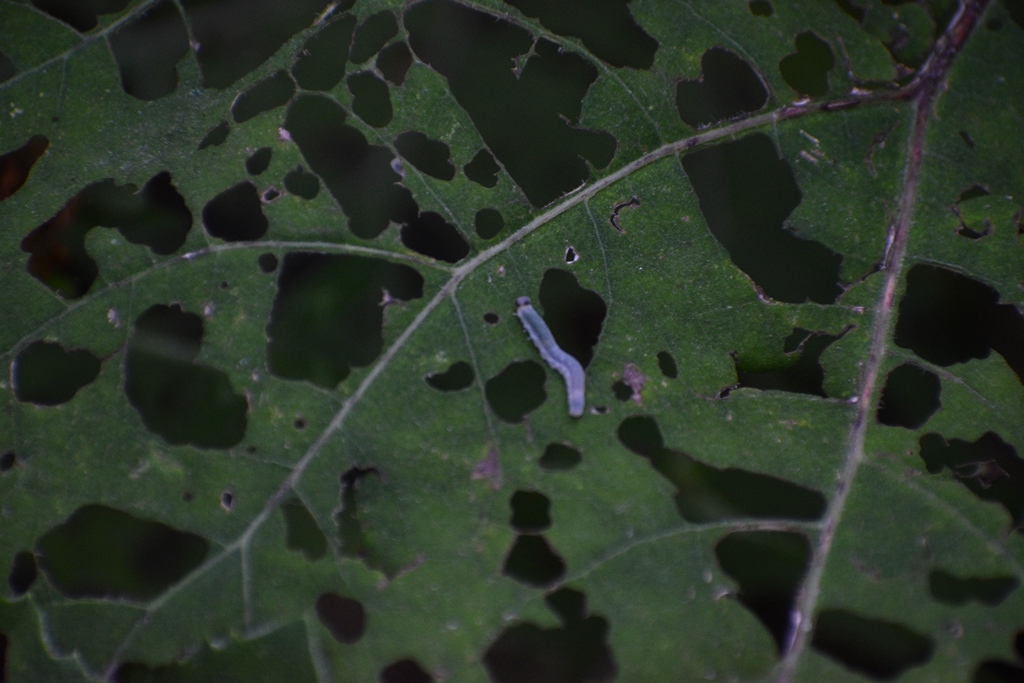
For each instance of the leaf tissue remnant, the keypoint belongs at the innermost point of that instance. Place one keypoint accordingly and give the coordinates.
(45, 373)
(178, 399)
(155, 216)
(327, 316)
(526, 116)
(728, 87)
(746, 192)
(100, 552)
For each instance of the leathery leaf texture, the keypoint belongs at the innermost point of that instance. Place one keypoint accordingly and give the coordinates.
(269, 413)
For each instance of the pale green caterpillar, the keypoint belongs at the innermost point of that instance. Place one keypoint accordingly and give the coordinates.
(567, 366)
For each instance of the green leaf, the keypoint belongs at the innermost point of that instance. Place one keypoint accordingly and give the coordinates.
(270, 414)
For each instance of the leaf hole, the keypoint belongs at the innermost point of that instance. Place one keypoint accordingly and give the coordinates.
(533, 562)
(16, 165)
(23, 573)
(344, 617)
(47, 374)
(667, 365)
(236, 214)
(560, 457)
(404, 671)
(728, 87)
(531, 511)
(910, 397)
(458, 376)
(488, 223)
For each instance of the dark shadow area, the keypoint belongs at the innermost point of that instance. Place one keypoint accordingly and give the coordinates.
(358, 175)
(236, 214)
(769, 567)
(948, 318)
(710, 494)
(17, 164)
(531, 511)
(215, 137)
(606, 27)
(155, 216)
(273, 91)
(989, 467)
(394, 61)
(482, 169)
(728, 87)
(302, 183)
(954, 590)
(559, 458)
(7, 72)
(746, 192)
(344, 618)
(302, 534)
(372, 35)
(327, 316)
(881, 649)
(353, 541)
(371, 100)
(278, 655)
(575, 652)
(798, 372)
(47, 374)
(431, 235)
(517, 390)
(667, 365)
(23, 574)
(258, 161)
(147, 50)
(488, 223)
(236, 36)
(404, 671)
(806, 70)
(429, 156)
(1000, 670)
(8, 459)
(525, 107)
(910, 397)
(320, 64)
(178, 399)
(761, 8)
(1016, 10)
(533, 562)
(267, 263)
(574, 314)
(80, 15)
(100, 552)
(457, 377)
